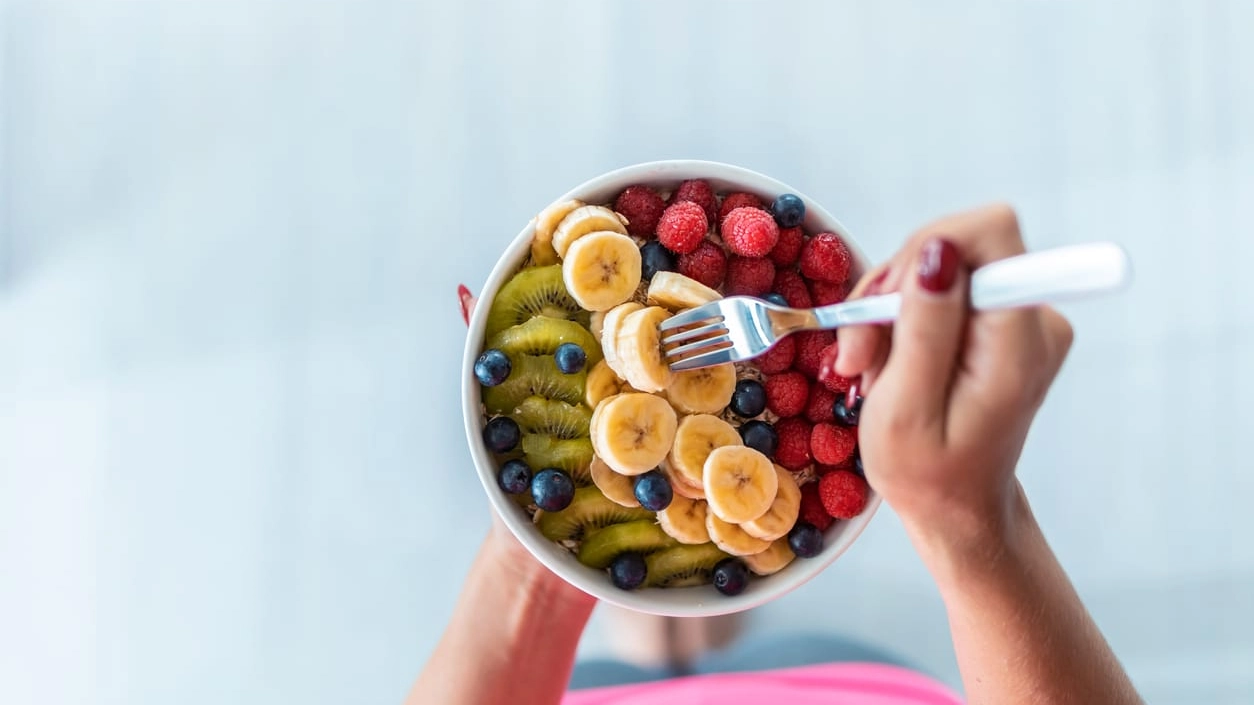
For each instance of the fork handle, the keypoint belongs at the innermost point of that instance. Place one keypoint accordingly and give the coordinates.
(1048, 276)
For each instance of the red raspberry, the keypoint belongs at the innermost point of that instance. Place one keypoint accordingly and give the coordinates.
(793, 451)
(825, 293)
(739, 200)
(698, 191)
(682, 227)
(819, 405)
(788, 248)
(832, 444)
(792, 287)
(779, 358)
(642, 207)
(787, 393)
(751, 232)
(810, 346)
(827, 370)
(843, 493)
(826, 258)
(749, 276)
(812, 509)
(707, 264)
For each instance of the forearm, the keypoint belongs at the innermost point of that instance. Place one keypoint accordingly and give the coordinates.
(509, 605)
(1020, 631)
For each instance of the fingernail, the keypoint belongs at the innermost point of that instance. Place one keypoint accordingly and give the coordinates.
(938, 265)
(874, 287)
(852, 395)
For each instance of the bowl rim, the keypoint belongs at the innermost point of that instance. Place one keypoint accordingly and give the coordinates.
(702, 601)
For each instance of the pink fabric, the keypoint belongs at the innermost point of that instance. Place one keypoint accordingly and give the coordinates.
(830, 684)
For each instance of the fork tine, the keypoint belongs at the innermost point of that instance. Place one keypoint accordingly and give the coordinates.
(701, 332)
(717, 357)
(693, 315)
(698, 346)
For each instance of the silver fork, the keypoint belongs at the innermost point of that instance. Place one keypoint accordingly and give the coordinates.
(741, 327)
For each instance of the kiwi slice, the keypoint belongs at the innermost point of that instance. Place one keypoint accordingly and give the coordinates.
(604, 545)
(682, 566)
(574, 455)
(536, 291)
(542, 334)
(555, 418)
(588, 511)
(531, 375)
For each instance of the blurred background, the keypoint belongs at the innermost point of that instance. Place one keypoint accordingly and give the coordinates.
(231, 455)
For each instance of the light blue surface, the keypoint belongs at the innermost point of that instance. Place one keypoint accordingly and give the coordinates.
(231, 466)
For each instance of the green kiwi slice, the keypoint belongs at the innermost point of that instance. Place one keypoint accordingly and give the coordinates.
(536, 414)
(602, 546)
(682, 566)
(536, 291)
(534, 375)
(588, 511)
(542, 335)
(574, 455)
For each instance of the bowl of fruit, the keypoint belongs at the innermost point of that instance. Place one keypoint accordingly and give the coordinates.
(691, 493)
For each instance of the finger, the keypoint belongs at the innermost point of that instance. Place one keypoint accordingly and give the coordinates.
(860, 346)
(1058, 335)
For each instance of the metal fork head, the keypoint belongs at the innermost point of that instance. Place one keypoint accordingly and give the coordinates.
(727, 330)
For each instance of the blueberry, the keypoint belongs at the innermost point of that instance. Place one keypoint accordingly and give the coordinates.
(653, 491)
(628, 571)
(749, 399)
(552, 490)
(514, 477)
(776, 299)
(731, 576)
(857, 461)
(789, 210)
(570, 358)
(492, 367)
(805, 540)
(501, 434)
(655, 258)
(760, 436)
(844, 415)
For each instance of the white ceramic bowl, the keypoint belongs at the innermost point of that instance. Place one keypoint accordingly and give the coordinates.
(678, 602)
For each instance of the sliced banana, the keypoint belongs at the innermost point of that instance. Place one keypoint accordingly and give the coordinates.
(782, 515)
(609, 334)
(740, 483)
(695, 438)
(542, 251)
(772, 560)
(705, 391)
(601, 384)
(596, 411)
(617, 488)
(602, 270)
(677, 292)
(639, 350)
(731, 538)
(684, 520)
(634, 432)
(596, 320)
(583, 220)
(681, 485)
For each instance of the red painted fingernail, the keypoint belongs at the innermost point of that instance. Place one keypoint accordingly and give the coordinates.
(852, 395)
(466, 301)
(938, 265)
(874, 287)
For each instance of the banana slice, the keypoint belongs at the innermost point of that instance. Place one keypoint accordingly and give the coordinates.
(683, 520)
(782, 515)
(731, 538)
(542, 244)
(610, 326)
(602, 383)
(679, 484)
(772, 560)
(677, 292)
(740, 484)
(602, 270)
(596, 320)
(596, 414)
(639, 350)
(705, 391)
(695, 438)
(617, 488)
(634, 432)
(583, 220)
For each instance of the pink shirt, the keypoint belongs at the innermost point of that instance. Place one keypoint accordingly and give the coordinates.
(829, 684)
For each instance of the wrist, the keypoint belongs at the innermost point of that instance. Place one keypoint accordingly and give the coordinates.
(969, 536)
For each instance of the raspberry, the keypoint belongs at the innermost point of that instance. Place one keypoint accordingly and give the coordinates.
(739, 200)
(843, 494)
(642, 207)
(749, 276)
(810, 346)
(819, 405)
(793, 451)
(792, 287)
(787, 393)
(832, 444)
(751, 232)
(707, 264)
(779, 358)
(812, 510)
(682, 227)
(788, 248)
(825, 293)
(827, 371)
(826, 258)
(698, 191)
